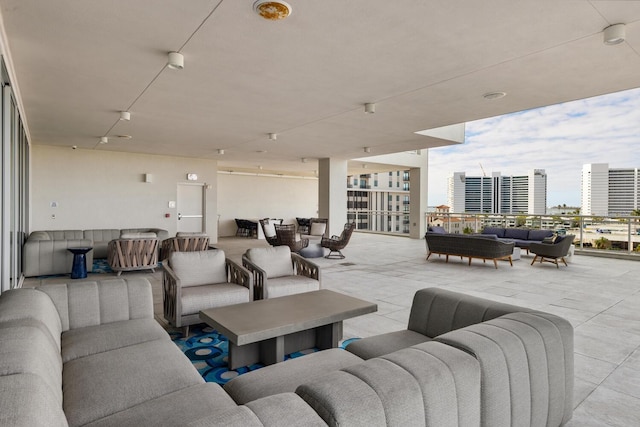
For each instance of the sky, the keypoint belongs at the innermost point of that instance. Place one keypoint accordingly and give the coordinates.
(558, 138)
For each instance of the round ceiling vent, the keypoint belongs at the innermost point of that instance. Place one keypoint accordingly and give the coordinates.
(272, 10)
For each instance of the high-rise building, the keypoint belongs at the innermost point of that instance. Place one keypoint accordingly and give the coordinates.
(379, 201)
(515, 194)
(613, 192)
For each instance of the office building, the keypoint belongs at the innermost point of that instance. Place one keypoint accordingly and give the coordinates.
(609, 191)
(514, 194)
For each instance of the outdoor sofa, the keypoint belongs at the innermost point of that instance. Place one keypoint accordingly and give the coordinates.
(91, 353)
(468, 246)
(522, 237)
(45, 252)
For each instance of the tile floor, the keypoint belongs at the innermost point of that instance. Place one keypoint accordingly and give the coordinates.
(599, 296)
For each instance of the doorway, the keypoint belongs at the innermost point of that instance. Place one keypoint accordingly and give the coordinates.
(191, 208)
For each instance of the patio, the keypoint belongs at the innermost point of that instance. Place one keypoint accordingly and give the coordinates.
(599, 296)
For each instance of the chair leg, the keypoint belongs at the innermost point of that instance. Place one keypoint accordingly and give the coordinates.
(564, 261)
(534, 259)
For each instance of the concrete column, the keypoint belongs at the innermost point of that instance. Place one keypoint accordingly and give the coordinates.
(418, 185)
(332, 193)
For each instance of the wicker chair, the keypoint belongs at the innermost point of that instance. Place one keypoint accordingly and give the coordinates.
(184, 242)
(278, 272)
(287, 236)
(135, 251)
(195, 281)
(552, 252)
(337, 243)
(303, 225)
(269, 231)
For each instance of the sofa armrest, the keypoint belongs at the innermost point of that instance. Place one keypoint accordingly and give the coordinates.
(240, 276)
(171, 295)
(259, 277)
(304, 267)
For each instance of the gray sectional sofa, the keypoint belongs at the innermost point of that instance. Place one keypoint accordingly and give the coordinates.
(90, 353)
(521, 237)
(45, 252)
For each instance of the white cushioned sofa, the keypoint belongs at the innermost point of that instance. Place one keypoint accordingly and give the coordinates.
(45, 252)
(91, 353)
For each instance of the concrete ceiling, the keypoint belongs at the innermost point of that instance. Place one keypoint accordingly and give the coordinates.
(425, 64)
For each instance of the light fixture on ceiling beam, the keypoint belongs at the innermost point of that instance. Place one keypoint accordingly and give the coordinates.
(220, 151)
(104, 140)
(494, 95)
(614, 34)
(272, 10)
(367, 149)
(369, 108)
(175, 61)
(125, 115)
(273, 136)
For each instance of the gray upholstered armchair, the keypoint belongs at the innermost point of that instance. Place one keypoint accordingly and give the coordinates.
(278, 272)
(195, 281)
(552, 252)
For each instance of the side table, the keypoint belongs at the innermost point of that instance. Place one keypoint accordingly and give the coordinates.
(79, 267)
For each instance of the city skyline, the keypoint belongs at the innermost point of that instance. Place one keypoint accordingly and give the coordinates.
(559, 138)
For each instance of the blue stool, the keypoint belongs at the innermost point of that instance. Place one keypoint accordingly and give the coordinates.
(79, 269)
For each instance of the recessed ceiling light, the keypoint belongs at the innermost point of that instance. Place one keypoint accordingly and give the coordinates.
(104, 140)
(125, 115)
(369, 108)
(273, 136)
(220, 151)
(494, 95)
(367, 149)
(273, 10)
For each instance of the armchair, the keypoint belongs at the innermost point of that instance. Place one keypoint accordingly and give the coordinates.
(133, 251)
(184, 242)
(552, 252)
(337, 243)
(269, 231)
(287, 236)
(195, 281)
(278, 272)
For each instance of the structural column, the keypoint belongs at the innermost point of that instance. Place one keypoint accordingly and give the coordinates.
(418, 180)
(332, 193)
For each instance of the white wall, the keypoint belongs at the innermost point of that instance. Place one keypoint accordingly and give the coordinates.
(98, 189)
(253, 197)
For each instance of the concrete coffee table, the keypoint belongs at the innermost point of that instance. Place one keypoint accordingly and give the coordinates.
(265, 330)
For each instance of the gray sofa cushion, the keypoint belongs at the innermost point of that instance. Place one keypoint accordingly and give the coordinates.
(27, 303)
(197, 298)
(523, 366)
(174, 409)
(30, 403)
(93, 385)
(430, 384)
(90, 303)
(289, 285)
(538, 235)
(275, 261)
(199, 268)
(516, 233)
(101, 239)
(498, 231)
(286, 377)
(97, 339)
(378, 345)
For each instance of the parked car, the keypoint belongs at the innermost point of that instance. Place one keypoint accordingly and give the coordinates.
(603, 230)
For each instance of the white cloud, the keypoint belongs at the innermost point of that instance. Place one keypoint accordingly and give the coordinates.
(559, 138)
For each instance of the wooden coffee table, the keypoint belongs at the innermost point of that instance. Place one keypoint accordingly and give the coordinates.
(265, 330)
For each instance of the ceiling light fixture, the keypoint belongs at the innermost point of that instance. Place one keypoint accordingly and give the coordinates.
(125, 115)
(124, 136)
(614, 34)
(220, 151)
(369, 108)
(304, 160)
(175, 61)
(104, 140)
(367, 149)
(494, 95)
(273, 136)
(272, 10)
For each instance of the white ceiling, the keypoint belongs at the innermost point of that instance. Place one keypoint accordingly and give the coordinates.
(425, 64)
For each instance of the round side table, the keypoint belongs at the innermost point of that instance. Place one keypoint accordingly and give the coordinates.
(79, 268)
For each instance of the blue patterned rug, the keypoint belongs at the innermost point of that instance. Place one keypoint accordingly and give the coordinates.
(208, 351)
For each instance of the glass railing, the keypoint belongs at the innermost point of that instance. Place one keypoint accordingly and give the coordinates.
(598, 233)
(392, 222)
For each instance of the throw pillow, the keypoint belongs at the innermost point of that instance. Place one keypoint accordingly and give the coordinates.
(269, 229)
(550, 239)
(318, 229)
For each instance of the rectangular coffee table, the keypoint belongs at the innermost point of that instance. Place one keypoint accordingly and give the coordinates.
(265, 330)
